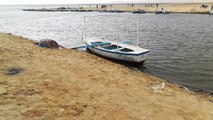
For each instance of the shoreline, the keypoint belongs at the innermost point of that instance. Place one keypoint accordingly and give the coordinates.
(64, 83)
(182, 8)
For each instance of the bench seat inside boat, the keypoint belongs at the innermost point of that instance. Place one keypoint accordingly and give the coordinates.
(126, 50)
(111, 47)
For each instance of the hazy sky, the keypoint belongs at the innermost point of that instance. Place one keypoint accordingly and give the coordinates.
(88, 1)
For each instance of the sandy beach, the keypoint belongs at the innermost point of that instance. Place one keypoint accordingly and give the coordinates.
(174, 8)
(67, 84)
(186, 8)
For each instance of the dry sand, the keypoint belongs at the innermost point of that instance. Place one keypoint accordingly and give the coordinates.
(65, 84)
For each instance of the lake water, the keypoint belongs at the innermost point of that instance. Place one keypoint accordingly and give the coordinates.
(181, 45)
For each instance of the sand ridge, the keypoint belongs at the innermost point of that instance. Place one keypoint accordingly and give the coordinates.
(67, 84)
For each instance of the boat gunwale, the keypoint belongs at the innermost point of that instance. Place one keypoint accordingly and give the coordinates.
(119, 52)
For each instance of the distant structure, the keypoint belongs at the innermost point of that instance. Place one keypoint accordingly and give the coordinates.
(103, 6)
(131, 5)
(204, 6)
(150, 5)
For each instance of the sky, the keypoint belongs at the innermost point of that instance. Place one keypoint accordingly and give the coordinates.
(89, 1)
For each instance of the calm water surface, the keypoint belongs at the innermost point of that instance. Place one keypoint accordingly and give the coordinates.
(181, 45)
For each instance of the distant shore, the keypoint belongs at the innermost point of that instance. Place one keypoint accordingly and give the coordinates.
(69, 84)
(193, 8)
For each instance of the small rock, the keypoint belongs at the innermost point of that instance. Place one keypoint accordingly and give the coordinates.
(14, 71)
(44, 118)
(23, 111)
(61, 110)
(48, 80)
(3, 91)
(48, 43)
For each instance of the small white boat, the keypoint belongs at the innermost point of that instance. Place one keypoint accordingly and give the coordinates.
(117, 51)
(139, 11)
(211, 11)
(162, 11)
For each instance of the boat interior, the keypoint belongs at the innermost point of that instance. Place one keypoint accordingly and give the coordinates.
(110, 46)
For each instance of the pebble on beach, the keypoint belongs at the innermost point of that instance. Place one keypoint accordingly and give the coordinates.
(3, 91)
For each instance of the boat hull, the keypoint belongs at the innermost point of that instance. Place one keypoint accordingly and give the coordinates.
(139, 12)
(140, 58)
(160, 12)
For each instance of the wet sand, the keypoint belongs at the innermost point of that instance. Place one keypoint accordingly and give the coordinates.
(68, 84)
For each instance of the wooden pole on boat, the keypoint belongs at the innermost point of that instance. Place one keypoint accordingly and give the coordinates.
(85, 28)
(116, 36)
(138, 33)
